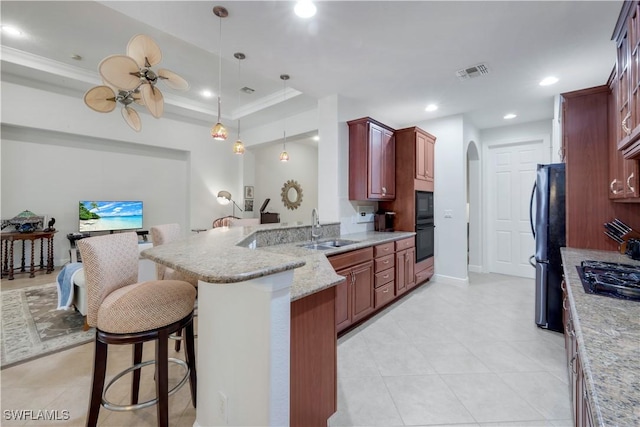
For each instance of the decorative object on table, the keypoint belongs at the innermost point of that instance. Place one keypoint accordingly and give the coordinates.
(248, 191)
(129, 79)
(248, 205)
(224, 198)
(50, 224)
(291, 194)
(32, 327)
(26, 222)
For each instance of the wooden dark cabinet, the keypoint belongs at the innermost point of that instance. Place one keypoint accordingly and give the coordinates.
(314, 367)
(586, 139)
(354, 296)
(627, 71)
(371, 160)
(424, 159)
(384, 268)
(405, 265)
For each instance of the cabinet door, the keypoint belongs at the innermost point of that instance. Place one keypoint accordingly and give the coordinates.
(421, 157)
(343, 300)
(382, 163)
(409, 265)
(401, 280)
(624, 81)
(362, 291)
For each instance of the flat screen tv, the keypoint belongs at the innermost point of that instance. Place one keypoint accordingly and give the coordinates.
(109, 215)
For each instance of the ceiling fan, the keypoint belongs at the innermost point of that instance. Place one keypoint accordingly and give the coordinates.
(129, 79)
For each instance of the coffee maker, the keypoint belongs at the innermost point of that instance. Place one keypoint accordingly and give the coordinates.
(384, 220)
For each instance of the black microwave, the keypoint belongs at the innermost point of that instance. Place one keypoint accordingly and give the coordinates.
(424, 207)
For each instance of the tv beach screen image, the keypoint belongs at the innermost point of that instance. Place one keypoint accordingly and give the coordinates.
(107, 216)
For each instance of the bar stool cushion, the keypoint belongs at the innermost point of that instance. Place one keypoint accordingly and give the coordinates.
(145, 306)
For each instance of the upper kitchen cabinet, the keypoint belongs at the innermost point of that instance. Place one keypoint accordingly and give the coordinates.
(424, 144)
(372, 157)
(623, 173)
(627, 118)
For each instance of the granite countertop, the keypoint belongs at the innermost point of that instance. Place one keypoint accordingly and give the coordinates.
(230, 255)
(608, 334)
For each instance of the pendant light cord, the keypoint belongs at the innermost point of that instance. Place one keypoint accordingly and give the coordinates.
(284, 99)
(219, 67)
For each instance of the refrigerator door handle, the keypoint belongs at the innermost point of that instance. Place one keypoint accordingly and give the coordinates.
(533, 194)
(533, 264)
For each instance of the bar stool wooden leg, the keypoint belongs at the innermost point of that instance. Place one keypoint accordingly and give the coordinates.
(99, 371)
(162, 380)
(135, 382)
(178, 334)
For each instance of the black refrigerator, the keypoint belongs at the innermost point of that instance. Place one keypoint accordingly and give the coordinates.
(548, 224)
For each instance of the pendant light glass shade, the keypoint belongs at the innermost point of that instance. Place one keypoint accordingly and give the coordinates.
(284, 156)
(218, 131)
(238, 147)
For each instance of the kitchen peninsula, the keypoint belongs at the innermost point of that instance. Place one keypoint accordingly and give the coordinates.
(266, 320)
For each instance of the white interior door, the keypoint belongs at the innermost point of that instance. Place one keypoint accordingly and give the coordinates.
(512, 172)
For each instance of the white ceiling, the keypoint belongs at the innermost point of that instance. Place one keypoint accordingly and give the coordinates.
(395, 57)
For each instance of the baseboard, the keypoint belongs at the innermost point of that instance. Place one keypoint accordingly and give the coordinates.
(474, 268)
(449, 280)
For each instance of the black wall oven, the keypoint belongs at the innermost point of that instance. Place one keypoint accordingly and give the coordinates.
(424, 225)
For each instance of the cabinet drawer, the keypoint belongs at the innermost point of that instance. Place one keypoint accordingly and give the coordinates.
(383, 295)
(383, 249)
(423, 275)
(350, 258)
(385, 262)
(384, 277)
(402, 244)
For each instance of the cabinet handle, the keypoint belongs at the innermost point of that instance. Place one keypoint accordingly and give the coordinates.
(613, 191)
(386, 276)
(386, 261)
(384, 191)
(631, 188)
(625, 128)
(575, 372)
(563, 303)
(386, 291)
(563, 285)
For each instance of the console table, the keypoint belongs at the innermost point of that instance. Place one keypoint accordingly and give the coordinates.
(8, 240)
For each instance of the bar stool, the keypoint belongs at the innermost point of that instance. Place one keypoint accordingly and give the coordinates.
(126, 312)
(160, 235)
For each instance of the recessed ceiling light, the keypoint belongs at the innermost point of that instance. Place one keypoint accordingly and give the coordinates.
(431, 107)
(11, 31)
(509, 116)
(548, 81)
(316, 138)
(305, 9)
(206, 93)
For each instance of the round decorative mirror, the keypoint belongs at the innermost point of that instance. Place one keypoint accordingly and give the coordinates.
(291, 194)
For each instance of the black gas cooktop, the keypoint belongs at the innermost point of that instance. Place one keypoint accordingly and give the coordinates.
(610, 279)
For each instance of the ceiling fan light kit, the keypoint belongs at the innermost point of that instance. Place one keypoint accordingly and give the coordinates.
(133, 79)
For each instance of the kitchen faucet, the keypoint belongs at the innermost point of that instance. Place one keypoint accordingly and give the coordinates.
(315, 225)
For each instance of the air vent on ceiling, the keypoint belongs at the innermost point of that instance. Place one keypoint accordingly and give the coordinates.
(472, 72)
(247, 90)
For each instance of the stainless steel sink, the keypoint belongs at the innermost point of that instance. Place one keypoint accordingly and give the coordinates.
(328, 244)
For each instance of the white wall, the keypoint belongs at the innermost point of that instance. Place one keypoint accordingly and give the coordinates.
(271, 175)
(520, 132)
(145, 161)
(449, 194)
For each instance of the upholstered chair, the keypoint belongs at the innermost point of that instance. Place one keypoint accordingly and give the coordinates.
(160, 235)
(124, 311)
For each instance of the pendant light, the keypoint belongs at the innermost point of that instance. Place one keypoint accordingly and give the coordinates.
(238, 147)
(219, 132)
(284, 156)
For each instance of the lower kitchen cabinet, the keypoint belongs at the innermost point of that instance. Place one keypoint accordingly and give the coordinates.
(582, 415)
(313, 387)
(405, 265)
(354, 296)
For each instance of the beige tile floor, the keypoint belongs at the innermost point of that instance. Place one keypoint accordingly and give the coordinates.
(444, 355)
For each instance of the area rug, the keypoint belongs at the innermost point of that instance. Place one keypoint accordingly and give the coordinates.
(32, 327)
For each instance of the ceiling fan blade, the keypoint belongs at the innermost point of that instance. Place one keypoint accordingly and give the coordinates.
(137, 98)
(101, 99)
(143, 47)
(172, 80)
(116, 70)
(132, 118)
(153, 100)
